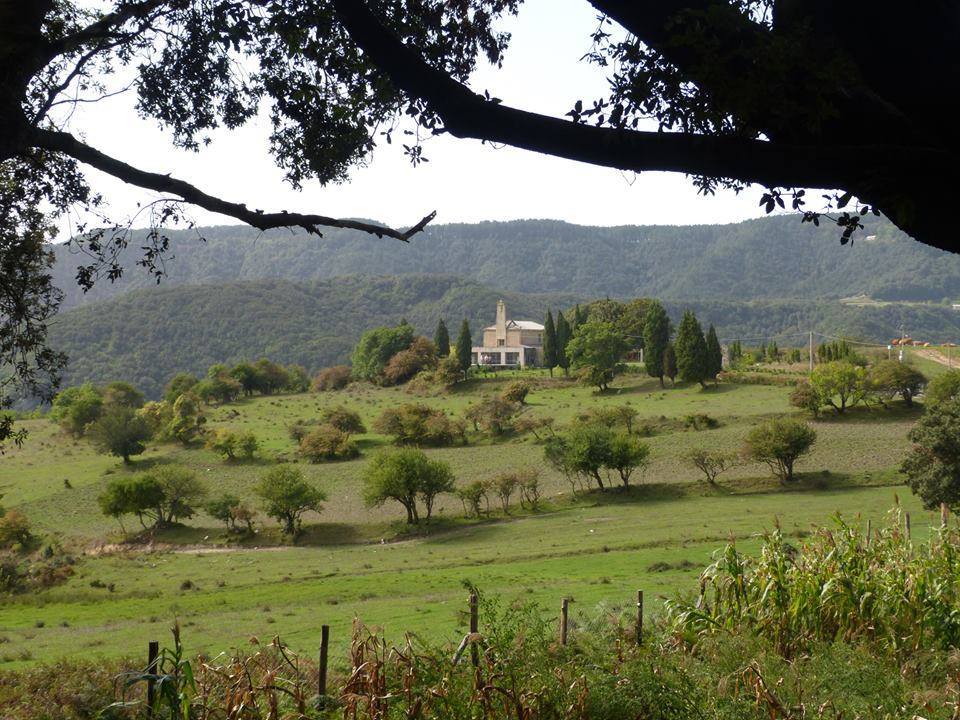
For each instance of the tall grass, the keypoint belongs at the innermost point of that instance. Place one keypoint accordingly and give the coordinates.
(840, 584)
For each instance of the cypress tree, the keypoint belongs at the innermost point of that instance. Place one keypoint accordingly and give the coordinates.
(691, 350)
(549, 343)
(464, 347)
(670, 363)
(579, 317)
(714, 354)
(563, 337)
(441, 339)
(656, 337)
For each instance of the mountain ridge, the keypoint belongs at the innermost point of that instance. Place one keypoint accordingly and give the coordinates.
(776, 257)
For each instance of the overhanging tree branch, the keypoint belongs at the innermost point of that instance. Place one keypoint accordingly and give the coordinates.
(66, 143)
(466, 114)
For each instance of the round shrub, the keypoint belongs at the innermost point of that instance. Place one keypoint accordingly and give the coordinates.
(328, 443)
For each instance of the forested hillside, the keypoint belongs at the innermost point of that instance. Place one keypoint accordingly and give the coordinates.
(146, 336)
(770, 258)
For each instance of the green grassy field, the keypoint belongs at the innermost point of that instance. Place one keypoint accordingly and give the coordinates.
(356, 562)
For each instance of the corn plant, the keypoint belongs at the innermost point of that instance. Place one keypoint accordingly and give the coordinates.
(840, 584)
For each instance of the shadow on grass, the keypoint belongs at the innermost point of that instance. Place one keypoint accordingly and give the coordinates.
(861, 414)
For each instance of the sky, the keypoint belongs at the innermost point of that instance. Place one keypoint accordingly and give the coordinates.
(464, 181)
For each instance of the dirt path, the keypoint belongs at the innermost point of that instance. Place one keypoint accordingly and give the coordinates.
(938, 357)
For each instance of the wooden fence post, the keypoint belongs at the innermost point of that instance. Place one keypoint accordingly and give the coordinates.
(474, 628)
(944, 514)
(324, 649)
(869, 530)
(153, 651)
(639, 617)
(564, 607)
(908, 525)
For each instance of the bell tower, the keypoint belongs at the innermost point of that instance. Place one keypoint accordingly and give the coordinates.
(501, 323)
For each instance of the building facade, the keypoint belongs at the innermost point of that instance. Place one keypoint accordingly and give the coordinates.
(510, 343)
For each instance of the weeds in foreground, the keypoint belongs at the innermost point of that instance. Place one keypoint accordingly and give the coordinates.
(842, 583)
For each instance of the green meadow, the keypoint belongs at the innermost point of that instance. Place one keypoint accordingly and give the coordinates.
(354, 562)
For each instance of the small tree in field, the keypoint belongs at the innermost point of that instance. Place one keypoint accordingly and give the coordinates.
(472, 495)
(231, 444)
(625, 455)
(287, 496)
(597, 348)
(119, 431)
(711, 462)
(405, 476)
(780, 443)
(840, 384)
(933, 465)
(505, 484)
(895, 378)
(221, 508)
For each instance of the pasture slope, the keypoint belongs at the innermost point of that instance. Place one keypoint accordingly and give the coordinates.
(597, 548)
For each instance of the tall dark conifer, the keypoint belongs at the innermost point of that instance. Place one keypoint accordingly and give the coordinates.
(464, 347)
(549, 343)
(656, 337)
(563, 338)
(714, 354)
(442, 339)
(691, 350)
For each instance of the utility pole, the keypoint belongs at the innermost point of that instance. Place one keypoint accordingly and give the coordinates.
(811, 351)
(903, 335)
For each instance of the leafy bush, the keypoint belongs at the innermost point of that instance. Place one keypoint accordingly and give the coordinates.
(231, 511)
(417, 424)
(327, 442)
(376, 347)
(806, 398)
(75, 408)
(780, 443)
(516, 392)
(494, 415)
(14, 529)
(232, 444)
(421, 355)
(343, 419)
(700, 421)
(331, 378)
(119, 431)
(942, 388)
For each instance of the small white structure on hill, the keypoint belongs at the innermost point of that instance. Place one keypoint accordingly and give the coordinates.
(510, 343)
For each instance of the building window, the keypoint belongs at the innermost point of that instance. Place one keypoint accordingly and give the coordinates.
(511, 358)
(501, 343)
